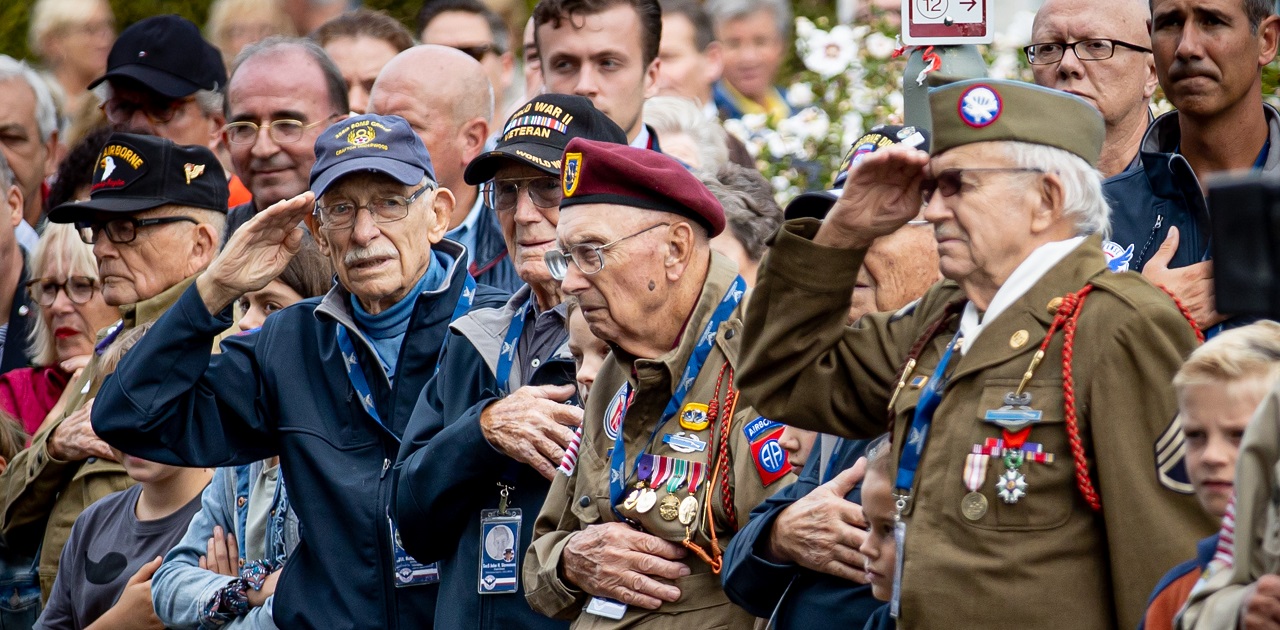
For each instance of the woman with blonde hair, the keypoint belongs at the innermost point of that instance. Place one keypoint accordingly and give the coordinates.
(234, 24)
(73, 38)
(68, 300)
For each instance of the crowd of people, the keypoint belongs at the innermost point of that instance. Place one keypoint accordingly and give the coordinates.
(312, 320)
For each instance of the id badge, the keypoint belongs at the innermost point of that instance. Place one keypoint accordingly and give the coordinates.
(499, 552)
(410, 572)
(899, 544)
(607, 608)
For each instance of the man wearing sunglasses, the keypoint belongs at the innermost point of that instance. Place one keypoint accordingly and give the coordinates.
(327, 385)
(155, 218)
(495, 413)
(1029, 394)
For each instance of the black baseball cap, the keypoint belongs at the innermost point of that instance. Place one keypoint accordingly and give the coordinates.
(370, 143)
(817, 204)
(539, 131)
(136, 173)
(167, 55)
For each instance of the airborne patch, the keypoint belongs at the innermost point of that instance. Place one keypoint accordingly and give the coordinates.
(1171, 458)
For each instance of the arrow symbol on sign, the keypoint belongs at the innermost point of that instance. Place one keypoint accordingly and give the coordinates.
(970, 3)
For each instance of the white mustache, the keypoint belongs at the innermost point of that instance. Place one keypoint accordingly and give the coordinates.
(360, 254)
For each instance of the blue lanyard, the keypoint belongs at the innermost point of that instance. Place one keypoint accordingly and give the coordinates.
(618, 460)
(928, 403)
(352, 361)
(508, 355)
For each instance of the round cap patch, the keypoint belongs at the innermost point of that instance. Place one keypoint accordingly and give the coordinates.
(980, 106)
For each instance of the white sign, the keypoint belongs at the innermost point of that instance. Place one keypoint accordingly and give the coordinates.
(946, 22)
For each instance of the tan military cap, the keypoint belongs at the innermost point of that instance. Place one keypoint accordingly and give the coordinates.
(983, 110)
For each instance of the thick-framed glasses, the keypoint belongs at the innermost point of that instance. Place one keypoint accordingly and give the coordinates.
(79, 289)
(503, 194)
(478, 51)
(158, 109)
(123, 230)
(1085, 49)
(341, 215)
(950, 181)
(282, 131)
(588, 258)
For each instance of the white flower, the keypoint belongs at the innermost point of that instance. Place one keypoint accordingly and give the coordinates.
(780, 183)
(851, 127)
(755, 122)
(800, 95)
(829, 53)
(1005, 66)
(804, 27)
(879, 46)
(894, 102)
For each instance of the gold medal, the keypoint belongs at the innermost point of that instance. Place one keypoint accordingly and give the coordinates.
(669, 509)
(630, 502)
(688, 510)
(645, 501)
(974, 506)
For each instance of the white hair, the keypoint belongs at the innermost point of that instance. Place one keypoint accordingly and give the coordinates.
(59, 253)
(722, 11)
(6, 174)
(1082, 197)
(675, 115)
(46, 110)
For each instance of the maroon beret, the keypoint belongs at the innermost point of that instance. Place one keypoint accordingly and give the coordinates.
(604, 172)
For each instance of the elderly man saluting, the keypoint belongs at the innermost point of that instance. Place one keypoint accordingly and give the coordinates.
(670, 463)
(327, 385)
(1029, 395)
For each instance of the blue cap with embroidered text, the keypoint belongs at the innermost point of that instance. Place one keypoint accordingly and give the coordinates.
(370, 144)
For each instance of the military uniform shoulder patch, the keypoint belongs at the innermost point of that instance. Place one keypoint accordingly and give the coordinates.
(1118, 257)
(1171, 458)
(770, 459)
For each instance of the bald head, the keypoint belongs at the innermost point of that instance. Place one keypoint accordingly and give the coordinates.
(446, 97)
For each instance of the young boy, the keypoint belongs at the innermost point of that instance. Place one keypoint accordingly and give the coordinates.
(878, 547)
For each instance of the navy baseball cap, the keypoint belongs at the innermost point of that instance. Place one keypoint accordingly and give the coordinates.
(374, 144)
(136, 173)
(538, 132)
(817, 204)
(167, 55)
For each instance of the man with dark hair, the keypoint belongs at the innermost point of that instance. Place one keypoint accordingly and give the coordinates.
(473, 28)
(605, 50)
(360, 43)
(691, 56)
(1209, 56)
(293, 89)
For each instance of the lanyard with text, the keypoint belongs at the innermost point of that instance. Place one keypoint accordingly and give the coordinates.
(919, 433)
(508, 356)
(351, 360)
(618, 459)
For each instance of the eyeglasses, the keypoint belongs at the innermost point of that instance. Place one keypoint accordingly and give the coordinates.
(123, 230)
(79, 289)
(158, 109)
(478, 51)
(342, 214)
(503, 194)
(588, 258)
(950, 181)
(1085, 49)
(281, 131)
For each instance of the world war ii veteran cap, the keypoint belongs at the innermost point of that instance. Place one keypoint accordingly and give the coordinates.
(136, 173)
(539, 131)
(370, 143)
(818, 203)
(604, 172)
(166, 54)
(983, 110)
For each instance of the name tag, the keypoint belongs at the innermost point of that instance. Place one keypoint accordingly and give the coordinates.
(499, 552)
(607, 608)
(408, 571)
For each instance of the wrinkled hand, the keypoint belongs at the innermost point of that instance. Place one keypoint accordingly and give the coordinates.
(823, 531)
(533, 425)
(259, 597)
(881, 194)
(1260, 609)
(612, 560)
(256, 253)
(134, 609)
(223, 554)
(75, 365)
(1192, 284)
(74, 439)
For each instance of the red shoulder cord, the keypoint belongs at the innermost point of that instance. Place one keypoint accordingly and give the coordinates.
(1067, 315)
(718, 465)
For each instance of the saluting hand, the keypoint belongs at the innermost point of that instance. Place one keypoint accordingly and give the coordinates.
(1261, 607)
(1192, 284)
(256, 253)
(881, 194)
(823, 531)
(533, 425)
(612, 560)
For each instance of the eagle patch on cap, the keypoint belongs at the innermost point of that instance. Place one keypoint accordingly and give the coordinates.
(980, 106)
(118, 167)
(572, 172)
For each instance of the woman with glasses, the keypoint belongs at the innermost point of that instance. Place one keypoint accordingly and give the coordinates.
(65, 290)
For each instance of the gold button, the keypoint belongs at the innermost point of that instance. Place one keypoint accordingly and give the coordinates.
(1054, 304)
(1019, 339)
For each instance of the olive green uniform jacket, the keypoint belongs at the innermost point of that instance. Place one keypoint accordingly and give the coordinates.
(1249, 541)
(576, 502)
(1047, 561)
(40, 491)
